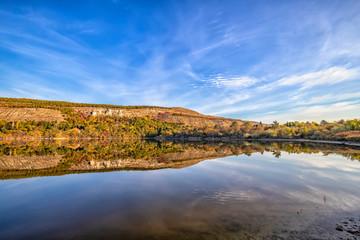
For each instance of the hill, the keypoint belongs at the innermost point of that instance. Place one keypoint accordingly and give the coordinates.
(27, 119)
(13, 109)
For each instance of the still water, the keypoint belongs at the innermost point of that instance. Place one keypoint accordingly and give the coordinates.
(188, 191)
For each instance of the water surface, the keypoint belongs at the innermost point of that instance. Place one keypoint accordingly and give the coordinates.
(189, 191)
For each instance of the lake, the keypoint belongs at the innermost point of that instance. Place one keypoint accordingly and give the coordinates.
(174, 190)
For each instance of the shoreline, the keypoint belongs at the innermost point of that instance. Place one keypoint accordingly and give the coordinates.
(187, 139)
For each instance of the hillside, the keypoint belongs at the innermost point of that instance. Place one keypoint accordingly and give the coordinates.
(12, 109)
(27, 119)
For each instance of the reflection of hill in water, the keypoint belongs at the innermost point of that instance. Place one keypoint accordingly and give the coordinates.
(21, 160)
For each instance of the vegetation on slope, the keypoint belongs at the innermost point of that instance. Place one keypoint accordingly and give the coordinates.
(78, 125)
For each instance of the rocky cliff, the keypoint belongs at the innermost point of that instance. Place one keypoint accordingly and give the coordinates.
(173, 115)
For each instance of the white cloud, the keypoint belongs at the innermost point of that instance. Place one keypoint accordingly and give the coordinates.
(328, 76)
(222, 80)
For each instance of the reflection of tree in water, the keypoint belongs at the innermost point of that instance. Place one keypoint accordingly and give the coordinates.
(277, 154)
(135, 148)
(74, 153)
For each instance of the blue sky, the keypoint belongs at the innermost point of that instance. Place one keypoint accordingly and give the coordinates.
(253, 60)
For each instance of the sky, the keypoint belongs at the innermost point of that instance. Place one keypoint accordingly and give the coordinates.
(251, 60)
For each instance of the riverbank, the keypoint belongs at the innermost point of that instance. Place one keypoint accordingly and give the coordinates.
(184, 139)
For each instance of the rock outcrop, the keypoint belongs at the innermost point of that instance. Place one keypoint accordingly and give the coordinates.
(173, 115)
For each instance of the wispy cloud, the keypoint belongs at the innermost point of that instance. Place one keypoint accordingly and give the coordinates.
(223, 80)
(328, 76)
(231, 81)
